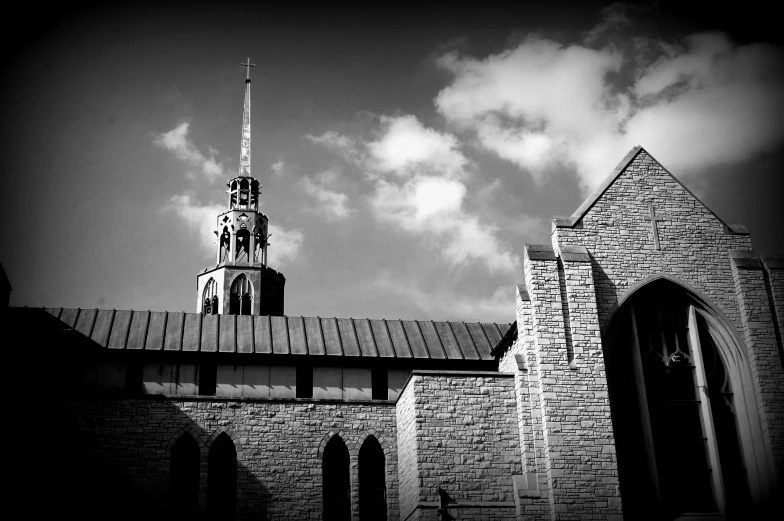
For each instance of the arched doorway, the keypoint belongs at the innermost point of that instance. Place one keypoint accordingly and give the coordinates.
(687, 441)
(337, 481)
(222, 478)
(372, 481)
(184, 478)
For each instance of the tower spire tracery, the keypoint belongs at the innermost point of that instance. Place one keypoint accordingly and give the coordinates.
(241, 246)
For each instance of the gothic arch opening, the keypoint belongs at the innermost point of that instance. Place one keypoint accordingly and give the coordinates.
(372, 481)
(222, 478)
(210, 298)
(241, 296)
(336, 481)
(184, 477)
(243, 245)
(224, 244)
(687, 434)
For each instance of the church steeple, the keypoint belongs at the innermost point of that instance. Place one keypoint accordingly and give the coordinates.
(241, 282)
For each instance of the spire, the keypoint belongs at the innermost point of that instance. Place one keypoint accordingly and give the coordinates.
(245, 148)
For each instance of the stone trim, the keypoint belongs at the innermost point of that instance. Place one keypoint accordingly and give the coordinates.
(773, 261)
(446, 372)
(198, 438)
(543, 252)
(522, 292)
(574, 253)
(231, 433)
(745, 259)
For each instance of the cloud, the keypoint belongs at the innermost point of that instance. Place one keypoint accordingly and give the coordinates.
(329, 201)
(445, 304)
(343, 145)
(546, 107)
(285, 244)
(277, 168)
(176, 141)
(201, 218)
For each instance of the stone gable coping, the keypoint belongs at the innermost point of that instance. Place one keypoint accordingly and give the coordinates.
(576, 217)
(574, 253)
(745, 259)
(773, 261)
(522, 292)
(540, 252)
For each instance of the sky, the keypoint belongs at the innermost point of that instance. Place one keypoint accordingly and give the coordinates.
(406, 156)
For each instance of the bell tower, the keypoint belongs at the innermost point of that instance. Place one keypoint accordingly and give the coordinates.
(241, 283)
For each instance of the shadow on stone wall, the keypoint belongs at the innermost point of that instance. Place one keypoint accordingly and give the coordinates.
(99, 456)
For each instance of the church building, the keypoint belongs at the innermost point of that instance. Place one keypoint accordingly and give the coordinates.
(643, 378)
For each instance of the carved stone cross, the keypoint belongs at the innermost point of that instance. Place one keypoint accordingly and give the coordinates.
(654, 228)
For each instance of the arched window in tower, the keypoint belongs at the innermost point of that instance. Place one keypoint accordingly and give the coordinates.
(243, 246)
(225, 244)
(233, 194)
(336, 481)
(254, 195)
(241, 296)
(372, 481)
(184, 477)
(244, 193)
(210, 295)
(222, 478)
(678, 453)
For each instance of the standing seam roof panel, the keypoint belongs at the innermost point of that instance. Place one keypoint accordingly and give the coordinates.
(297, 342)
(102, 327)
(493, 333)
(399, 340)
(155, 331)
(69, 316)
(331, 337)
(227, 342)
(415, 340)
(280, 336)
(381, 336)
(85, 322)
(122, 321)
(262, 335)
(313, 335)
(348, 337)
(139, 322)
(245, 334)
(464, 340)
(55, 312)
(432, 341)
(367, 344)
(174, 324)
(448, 340)
(191, 332)
(480, 340)
(209, 333)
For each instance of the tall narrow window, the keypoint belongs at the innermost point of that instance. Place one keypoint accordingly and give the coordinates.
(184, 478)
(379, 381)
(337, 481)
(241, 297)
(208, 377)
(304, 381)
(222, 478)
(225, 244)
(243, 245)
(372, 481)
(210, 294)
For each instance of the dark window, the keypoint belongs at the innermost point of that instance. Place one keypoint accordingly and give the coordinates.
(184, 478)
(304, 381)
(208, 375)
(336, 481)
(372, 481)
(133, 377)
(378, 378)
(222, 478)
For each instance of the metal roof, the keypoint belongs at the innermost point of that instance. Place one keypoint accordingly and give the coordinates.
(286, 335)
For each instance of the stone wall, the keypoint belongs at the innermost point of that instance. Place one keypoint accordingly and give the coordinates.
(466, 444)
(279, 448)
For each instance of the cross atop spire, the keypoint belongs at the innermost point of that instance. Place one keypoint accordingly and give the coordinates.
(248, 64)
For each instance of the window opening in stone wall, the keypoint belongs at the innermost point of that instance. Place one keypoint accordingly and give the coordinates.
(208, 379)
(336, 481)
(222, 478)
(225, 244)
(184, 478)
(210, 297)
(664, 432)
(133, 377)
(243, 246)
(304, 381)
(379, 381)
(372, 481)
(244, 193)
(241, 296)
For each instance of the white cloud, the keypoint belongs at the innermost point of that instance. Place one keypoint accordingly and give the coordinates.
(277, 168)
(332, 203)
(201, 218)
(343, 145)
(176, 141)
(544, 106)
(285, 244)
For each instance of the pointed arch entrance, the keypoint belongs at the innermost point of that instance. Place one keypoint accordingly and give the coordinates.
(336, 481)
(688, 435)
(184, 478)
(372, 481)
(222, 478)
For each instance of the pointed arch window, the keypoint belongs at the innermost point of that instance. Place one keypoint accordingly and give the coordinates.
(210, 298)
(675, 421)
(241, 297)
(336, 481)
(372, 481)
(184, 477)
(243, 245)
(222, 478)
(225, 244)
(244, 193)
